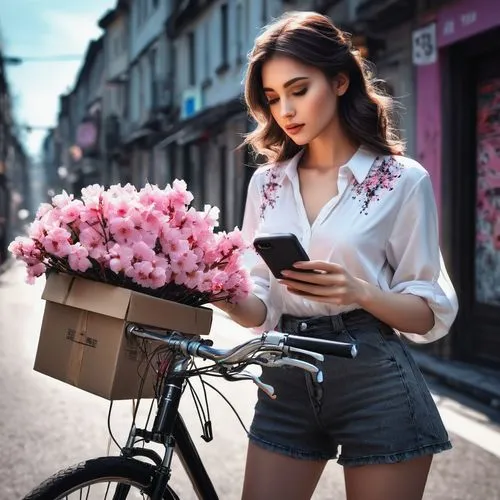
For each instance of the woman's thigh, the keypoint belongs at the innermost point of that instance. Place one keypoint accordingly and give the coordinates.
(399, 481)
(271, 476)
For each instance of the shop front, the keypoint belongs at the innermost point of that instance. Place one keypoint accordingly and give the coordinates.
(457, 53)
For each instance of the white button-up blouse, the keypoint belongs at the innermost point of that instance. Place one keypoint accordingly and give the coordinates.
(382, 227)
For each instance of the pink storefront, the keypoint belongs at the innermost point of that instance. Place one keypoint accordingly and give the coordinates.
(458, 141)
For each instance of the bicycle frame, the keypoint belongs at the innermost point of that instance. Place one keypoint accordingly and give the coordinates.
(170, 430)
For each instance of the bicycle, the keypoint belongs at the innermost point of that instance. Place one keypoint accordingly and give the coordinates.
(151, 480)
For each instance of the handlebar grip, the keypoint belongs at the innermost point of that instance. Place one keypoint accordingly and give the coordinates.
(333, 347)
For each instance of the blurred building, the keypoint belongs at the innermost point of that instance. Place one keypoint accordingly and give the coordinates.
(75, 148)
(150, 86)
(209, 42)
(14, 168)
(115, 24)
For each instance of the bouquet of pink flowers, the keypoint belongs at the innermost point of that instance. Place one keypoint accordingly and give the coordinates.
(149, 240)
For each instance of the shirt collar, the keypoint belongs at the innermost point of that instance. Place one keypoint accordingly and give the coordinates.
(359, 164)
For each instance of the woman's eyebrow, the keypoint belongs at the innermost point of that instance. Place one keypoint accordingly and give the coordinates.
(288, 83)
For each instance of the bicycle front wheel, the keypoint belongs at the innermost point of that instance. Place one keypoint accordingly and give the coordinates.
(116, 478)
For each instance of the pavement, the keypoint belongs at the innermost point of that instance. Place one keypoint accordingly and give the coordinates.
(482, 384)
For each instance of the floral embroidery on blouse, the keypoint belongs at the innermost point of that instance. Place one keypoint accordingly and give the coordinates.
(269, 190)
(381, 177)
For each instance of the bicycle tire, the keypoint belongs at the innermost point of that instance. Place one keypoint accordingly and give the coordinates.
(64, 482)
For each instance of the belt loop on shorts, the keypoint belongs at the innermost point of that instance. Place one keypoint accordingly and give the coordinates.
(337, 323)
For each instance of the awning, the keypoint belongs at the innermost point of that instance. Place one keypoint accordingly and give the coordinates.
(193, 128)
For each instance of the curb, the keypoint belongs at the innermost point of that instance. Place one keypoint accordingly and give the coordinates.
(479, 383)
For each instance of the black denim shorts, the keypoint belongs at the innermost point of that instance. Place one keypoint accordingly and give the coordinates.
(377, 407)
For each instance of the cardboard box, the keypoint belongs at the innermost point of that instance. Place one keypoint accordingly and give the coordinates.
(83, 342)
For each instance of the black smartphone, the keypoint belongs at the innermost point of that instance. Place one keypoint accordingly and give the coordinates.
(280, 252)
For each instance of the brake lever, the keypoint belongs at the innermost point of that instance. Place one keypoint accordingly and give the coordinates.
(315, 355)
(266, 388)
(298, 363)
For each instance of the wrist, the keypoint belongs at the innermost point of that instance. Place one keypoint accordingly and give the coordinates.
(364, 293)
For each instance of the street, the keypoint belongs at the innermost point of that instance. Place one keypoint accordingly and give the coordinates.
(47, 425)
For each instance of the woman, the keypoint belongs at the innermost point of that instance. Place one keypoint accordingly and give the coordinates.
(367, 218)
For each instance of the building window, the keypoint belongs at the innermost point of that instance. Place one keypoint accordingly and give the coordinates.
(239, 32)
(206, 45)
(224, 39)
(264, 12)
(223, 186)
(191, 59)
(153, 82)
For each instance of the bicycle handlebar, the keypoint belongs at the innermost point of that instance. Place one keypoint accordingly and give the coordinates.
(270, 341)
(272, 349)
(331, 347)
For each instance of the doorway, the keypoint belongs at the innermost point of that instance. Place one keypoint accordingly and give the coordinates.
(471, 193)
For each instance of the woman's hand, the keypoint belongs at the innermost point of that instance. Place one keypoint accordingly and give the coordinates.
(328, 282)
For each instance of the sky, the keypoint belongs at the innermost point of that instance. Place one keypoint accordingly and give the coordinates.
(43, 28)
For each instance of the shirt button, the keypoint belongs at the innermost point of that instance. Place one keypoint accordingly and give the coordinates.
(303, 326)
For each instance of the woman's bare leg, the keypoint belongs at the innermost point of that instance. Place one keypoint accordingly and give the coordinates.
(401, 481)
(272, 476)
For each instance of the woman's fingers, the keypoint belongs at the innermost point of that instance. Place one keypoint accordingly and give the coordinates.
(319, 265)
(313, 288)
(324, 279)
(327, 299)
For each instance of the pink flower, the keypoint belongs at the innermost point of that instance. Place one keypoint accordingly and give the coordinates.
(141, 273)
(91, 195)
(62, 200)
(57, 242)
(211, 216)
(119, 207)
(43, 209)
(99, 253)
(36, 230)
(143, 252)
(35, 271)
(219, 280)
(71, 211)
(90, 237)
(185, 262)
(78, 258)
(120, 258)
(123, 230)
(179, 196)
(172, 242)
(159, 276)
(151, 221)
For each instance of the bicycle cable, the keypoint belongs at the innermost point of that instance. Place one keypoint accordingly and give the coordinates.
(109, 426)
(229, 403)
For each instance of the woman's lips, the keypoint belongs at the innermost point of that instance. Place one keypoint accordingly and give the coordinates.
(295, 129)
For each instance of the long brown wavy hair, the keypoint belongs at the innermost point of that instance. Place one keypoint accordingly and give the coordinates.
(365, 110)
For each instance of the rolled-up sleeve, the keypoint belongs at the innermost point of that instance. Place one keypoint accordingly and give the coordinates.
(259, 272)
(413, 253)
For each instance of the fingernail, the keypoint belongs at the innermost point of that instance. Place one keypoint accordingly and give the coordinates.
(285, 273)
